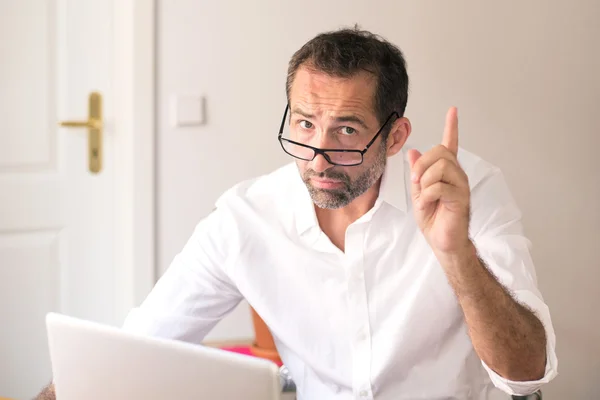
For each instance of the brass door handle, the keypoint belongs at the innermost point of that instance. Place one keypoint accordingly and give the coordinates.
(94, 126)
(92, 123)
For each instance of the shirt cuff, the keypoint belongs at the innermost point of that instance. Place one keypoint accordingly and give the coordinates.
(523, 388)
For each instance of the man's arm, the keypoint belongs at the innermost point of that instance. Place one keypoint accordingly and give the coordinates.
(47, 393)
(196, 291)
(509, 339)
(507, 336)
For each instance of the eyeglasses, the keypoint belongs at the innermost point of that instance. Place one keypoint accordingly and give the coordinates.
(346, 158)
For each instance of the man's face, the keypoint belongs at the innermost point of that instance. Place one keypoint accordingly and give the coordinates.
(336, 113)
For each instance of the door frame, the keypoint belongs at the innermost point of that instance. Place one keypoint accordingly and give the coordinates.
(135, 167)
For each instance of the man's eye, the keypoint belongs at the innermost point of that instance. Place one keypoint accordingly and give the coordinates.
(305, 124)
(346, 130)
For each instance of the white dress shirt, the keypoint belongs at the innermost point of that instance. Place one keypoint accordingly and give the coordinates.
(378, 321)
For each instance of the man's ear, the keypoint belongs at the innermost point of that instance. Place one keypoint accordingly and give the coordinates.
(398, 135)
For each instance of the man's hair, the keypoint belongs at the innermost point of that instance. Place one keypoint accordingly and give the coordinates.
(346, 52)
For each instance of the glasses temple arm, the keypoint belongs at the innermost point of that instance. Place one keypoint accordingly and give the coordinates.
(380, 130)
(287, 106)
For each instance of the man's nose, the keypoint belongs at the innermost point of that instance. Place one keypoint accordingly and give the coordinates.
(320, 163)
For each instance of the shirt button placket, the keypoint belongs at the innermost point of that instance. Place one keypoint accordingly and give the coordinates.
(357, 298)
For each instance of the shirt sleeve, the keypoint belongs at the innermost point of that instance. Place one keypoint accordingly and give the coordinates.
(497, 232)
(195, 292)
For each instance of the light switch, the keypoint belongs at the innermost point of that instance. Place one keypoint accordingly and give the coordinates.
(188, 110)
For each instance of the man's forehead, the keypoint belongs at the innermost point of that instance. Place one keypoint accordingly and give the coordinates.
(317, 92)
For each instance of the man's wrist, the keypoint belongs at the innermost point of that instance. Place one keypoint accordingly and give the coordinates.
(462, 257)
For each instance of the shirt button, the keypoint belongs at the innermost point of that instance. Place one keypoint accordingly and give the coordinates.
(362, 336)
(359, 278)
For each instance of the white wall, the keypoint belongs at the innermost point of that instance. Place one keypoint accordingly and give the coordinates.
(523, 74)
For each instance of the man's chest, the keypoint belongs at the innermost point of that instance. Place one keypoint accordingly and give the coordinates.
(361, 318)
(383, 287)
(380, 312)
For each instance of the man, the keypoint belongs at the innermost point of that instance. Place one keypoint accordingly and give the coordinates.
(382, 272)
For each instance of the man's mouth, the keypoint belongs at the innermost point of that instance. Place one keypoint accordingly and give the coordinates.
(324, 183)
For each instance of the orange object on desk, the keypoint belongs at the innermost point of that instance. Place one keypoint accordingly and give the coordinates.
(264, 345)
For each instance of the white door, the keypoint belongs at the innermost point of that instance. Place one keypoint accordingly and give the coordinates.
(56, 217)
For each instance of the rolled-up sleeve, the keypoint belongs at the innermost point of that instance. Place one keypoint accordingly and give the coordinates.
(497, 231)
(195, 292)
(540, 309)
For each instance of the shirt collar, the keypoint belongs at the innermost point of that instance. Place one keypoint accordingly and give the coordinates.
(392, 191)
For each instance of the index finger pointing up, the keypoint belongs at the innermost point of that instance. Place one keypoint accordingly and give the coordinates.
(450, 140)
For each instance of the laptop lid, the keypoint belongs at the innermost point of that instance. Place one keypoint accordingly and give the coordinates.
(93, 361)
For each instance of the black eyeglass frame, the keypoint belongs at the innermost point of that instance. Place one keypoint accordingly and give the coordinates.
(323, 152)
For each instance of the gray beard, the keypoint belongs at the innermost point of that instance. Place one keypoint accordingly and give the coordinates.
(338, 198)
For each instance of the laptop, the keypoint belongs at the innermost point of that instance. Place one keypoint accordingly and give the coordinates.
(96, 362)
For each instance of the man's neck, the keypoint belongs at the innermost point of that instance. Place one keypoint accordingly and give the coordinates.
(335, 222)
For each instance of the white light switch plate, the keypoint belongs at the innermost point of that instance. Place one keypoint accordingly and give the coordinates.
(187, 110)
